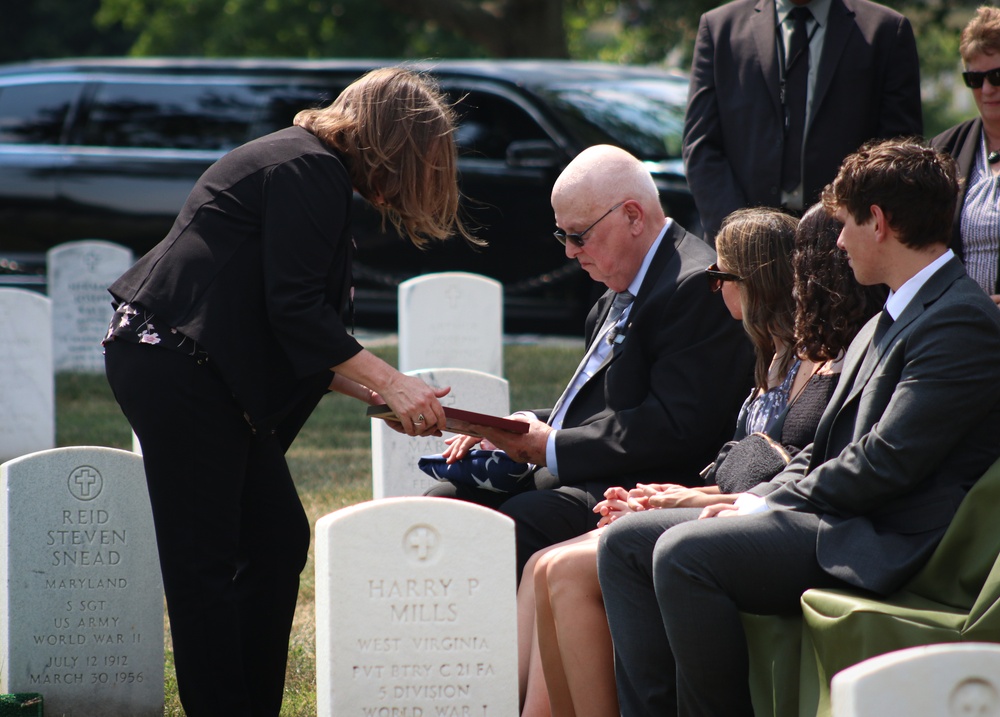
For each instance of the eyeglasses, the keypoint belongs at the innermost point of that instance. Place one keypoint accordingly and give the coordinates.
(974, 80)
(717, 278)
(577, 239)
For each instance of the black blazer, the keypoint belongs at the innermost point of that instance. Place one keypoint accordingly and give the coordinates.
(962, 142)
(256, 269)
(868, 86)
(667, 396)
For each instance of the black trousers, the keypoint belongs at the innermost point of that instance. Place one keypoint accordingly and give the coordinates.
(674, 587)
(230, 529)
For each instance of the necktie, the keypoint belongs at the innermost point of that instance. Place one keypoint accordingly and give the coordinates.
(883, 325)
(875, 347)
(618, 305)
(794, 91)
(621, 302)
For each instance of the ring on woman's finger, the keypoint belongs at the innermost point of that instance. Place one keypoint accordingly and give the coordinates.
(420, 418)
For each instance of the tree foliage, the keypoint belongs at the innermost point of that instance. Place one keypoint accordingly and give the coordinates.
(504, 28)
(626, 31)
(57, 28)
(280, 28)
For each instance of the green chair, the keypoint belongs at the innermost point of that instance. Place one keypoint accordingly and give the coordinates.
(954, 598)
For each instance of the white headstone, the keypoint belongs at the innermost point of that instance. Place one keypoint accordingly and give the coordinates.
(394, 456)
(27, 384)
(81, 599)
(415, 611)
(451, 320)
(79, 274)
(946, 680)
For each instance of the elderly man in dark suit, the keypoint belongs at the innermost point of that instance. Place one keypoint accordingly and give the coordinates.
(864, 505)
(659, 387)
(782, 90)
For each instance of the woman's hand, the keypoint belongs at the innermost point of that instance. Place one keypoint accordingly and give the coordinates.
(414, 402)
(678, 496)
(719, 510)
(638, 497)
(614, 506)
(416, 405)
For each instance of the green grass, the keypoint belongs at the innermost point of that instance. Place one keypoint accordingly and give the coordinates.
(331, 463)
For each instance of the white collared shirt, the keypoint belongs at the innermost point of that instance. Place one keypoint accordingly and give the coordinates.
(898, 300)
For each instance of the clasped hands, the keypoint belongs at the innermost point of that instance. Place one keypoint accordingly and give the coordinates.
(652, 496)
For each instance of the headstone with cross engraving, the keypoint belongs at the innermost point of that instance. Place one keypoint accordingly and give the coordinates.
(27, 385)
(415, 610)
(949, 680)
(394, 456)
(81, 600)
(79, 273)
(451, 320)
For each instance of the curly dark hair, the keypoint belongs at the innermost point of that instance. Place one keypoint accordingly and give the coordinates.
(830, 305)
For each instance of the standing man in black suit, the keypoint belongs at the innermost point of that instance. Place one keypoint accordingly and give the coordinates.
(658, 390)
(864, 505)
(782, 90)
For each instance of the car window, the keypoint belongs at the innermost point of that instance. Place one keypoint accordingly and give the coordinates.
(35, 113)
(284, 102)
(489, 123)
(171, 116)
(645, 117)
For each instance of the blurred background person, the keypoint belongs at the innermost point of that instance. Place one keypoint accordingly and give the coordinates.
(782, 90)
(975, 145)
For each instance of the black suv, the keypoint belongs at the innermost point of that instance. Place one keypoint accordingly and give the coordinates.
(109, 149)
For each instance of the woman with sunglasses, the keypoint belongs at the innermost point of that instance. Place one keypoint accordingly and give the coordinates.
(800, 322)
(975, 145)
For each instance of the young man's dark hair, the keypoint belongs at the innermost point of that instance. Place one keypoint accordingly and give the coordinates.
(915, 186)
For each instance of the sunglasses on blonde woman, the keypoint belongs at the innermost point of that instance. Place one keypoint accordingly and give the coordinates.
(717, 278)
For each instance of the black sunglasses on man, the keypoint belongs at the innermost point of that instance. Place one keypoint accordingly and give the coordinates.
(577, 239)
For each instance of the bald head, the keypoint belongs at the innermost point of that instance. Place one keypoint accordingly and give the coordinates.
(600, 176)
(609, 197)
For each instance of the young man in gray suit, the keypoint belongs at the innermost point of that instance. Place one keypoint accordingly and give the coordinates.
(782, 90)
(912, 425)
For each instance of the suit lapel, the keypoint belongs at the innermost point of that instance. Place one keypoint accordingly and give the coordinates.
(860, 365)
(856, 353)
(967, 155)
(603, 307)
(764, 28)
(840, 25)
(928, 294)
